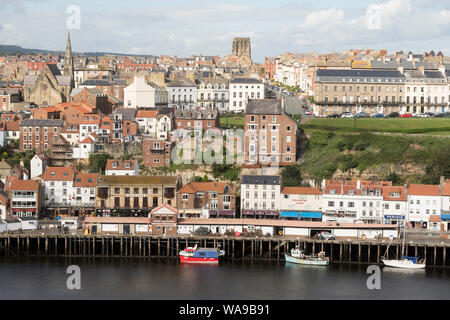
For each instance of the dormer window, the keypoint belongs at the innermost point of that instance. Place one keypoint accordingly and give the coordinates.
(127, 165)
(332, 191)
(114, 164)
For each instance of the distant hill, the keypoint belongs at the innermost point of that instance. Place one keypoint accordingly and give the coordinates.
(11, 49)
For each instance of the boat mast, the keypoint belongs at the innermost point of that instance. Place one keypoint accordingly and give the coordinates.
(404, 235)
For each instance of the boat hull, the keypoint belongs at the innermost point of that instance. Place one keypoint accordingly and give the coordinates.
(313, 262)
(199, 260)
(403, 264)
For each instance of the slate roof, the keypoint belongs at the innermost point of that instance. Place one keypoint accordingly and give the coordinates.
(269, 180)
(363, 73)
(41, 123)
(246, 80)
(264, 106)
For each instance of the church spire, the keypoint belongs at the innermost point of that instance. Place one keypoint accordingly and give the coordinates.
(68, 60)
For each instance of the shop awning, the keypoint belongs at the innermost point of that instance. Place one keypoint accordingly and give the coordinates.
(290, 214)
(445, 217)
(311, 215)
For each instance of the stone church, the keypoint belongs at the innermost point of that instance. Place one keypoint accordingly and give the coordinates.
(242, 50)
(50, 86)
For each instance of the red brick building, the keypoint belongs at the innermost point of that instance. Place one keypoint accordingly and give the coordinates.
(164, 220)
(219, 198)
(270, 134)
(156, 153)
(39, 134)
(198, 119)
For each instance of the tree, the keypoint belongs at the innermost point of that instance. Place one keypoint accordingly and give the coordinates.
(395, 178)
(438, 167)
(97, 162)
(292, 176)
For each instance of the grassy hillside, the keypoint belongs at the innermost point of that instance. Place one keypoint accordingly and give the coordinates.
(413, 159)
(394, 125)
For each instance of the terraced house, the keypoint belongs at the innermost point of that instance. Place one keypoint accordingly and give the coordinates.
(364, 90)
(217, 199)
(134, 195)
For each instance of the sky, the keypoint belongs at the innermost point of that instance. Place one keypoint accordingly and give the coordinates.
(187, 27)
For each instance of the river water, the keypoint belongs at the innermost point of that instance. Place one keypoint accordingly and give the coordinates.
(45, 278)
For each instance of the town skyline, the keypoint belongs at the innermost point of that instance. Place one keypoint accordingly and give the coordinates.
(179, 28)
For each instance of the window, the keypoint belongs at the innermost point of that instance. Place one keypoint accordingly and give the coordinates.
(331, 203)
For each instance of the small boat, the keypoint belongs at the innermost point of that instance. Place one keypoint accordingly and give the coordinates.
(405, 262)
(297, 256)
(201, 255)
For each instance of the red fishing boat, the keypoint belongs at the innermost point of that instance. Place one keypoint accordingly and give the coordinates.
(201, 255)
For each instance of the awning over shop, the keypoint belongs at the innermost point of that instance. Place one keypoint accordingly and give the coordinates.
(226, 213)
(290, 214)
(311, 215)
(445, 217)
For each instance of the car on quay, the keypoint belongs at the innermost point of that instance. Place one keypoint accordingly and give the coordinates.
(393, 115)
(362, 115)
(324, 235)
(442, 115)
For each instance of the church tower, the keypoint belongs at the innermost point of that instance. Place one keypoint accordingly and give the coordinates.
(68, 61)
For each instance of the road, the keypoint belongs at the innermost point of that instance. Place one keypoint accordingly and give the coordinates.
(293, 105)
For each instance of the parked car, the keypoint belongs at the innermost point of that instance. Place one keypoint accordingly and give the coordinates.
(406, 115)
(378, 115)
(362, 115)
(431, 114)
(422, 115)
(308, 113)
(334, 115)
(347, 115)
(324, 235)
(442, 115)
(393, 115)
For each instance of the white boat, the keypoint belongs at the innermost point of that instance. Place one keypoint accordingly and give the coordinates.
(297, 256)
(405, 262)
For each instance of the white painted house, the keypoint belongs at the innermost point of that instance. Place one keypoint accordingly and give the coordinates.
(260, 196)
(122, 168)
(58, 184)
(301, 203)
(38, 164)
(424, 201)
(243, 89)
(139, 94)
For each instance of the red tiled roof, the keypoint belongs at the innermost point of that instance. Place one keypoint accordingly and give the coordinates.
(87, 140)
(128, 220)
(193, 187)
(13, 184)
(301, 190)
(147, 114)
(59, 174)
(165, 205)
(87, 180)
(398, 190)
(446, 188)
(120, 164)
(424, 190)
